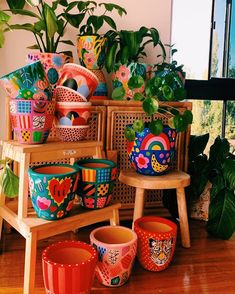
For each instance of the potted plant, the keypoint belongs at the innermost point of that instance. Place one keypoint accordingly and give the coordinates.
(8, 180)
(151, 144)
(125, 48)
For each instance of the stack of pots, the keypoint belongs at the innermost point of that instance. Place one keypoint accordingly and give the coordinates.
(73, 109)
(31, 105)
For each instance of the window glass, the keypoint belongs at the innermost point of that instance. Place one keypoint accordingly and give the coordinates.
(231, 63)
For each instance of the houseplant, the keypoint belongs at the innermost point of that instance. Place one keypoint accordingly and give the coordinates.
(8, 180)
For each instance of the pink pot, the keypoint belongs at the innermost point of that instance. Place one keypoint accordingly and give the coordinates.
(116, 246)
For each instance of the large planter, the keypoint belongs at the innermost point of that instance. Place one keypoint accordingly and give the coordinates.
(96, 181)
(116, 246)
(27, 82)
(52, 189)
(124, 72)
(152, 155)
(69, 267)
(156, 242)
(52, 63)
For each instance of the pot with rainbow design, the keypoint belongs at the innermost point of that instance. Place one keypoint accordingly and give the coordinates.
(152, 154)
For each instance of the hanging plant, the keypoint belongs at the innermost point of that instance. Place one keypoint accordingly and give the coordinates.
(8, 180)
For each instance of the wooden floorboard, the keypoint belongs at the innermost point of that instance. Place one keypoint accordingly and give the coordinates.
(207, 267)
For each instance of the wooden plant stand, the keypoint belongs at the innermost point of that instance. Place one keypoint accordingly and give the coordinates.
(24, 219)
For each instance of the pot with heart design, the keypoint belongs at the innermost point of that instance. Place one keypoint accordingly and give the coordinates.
(52, 189)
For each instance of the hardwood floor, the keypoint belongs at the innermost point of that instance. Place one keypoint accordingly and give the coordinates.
(207, 267)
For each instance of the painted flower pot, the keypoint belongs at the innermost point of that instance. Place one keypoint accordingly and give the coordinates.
(96, 182)
(31, 120)
(52, 63)
(116, 247)
(152, 155)
(72, 133)
(124, 72)
(79, 79)
(101, 92)
(52, 189)
(73, 113)
(156, 242)
(69, 267)
(65, 94)
(27, 82)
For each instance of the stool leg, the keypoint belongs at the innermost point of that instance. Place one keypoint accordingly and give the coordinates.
(182, 209)
(114, 220)
(30, 263)
(139, 204)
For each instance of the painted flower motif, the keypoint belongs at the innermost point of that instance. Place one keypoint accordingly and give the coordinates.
(26, 94)
(69, 206)
(57, 60)
(142, 162)
(60, 214)
(123, 73)
(89, 58)
(39, 96)
(42, 84)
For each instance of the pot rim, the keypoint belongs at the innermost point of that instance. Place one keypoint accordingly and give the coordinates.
(111, 164)
(32, 171)
(72, 127)
(68, 104)
(87, 71)
(162, 220)
(77, 244)
(72, 91)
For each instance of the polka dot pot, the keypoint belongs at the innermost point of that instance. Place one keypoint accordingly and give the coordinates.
(96, 182)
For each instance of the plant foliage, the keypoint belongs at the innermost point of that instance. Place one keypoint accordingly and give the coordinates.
(8, 180)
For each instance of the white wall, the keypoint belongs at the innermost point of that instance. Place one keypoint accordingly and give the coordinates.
(150, 13)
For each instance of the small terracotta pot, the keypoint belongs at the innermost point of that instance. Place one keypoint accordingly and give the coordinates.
(69, 267)
(52, 189)
(96, 182)
(156, 242)
(27, 82)
(78, 78)
(116, 246)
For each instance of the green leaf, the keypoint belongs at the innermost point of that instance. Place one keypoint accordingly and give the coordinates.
(138, 97)
(124, 55)
(135, 82)
(221, 222)
(63, 2)
(118, 93)
(168, 93)
(16, 4)
(219, 151)
(180, 94)
(96, 21)
(138, 126)
(25, 12)
(39, 26)
(2, 38)
(110, 57)
(197, 145)
(152, 86)
(155, 36)
(4, 18)
(35, 46)
(129, 134)
(188, 116)
(228, 169)
(74, 19)
(27, 27)
(51, 21)
(10, 183)
(156, 127)
(68, 42)
(180, 123)
(110, 22)
(150, 106)
(70, 6)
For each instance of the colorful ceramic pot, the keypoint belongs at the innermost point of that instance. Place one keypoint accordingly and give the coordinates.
(152, 155)
(69, 267)
(72, 134)
(101, 92)
(79, 78)
(31, 120)
(124, 72)
(156, 242)
(91, 51)
(96, 182)
(27, 82)
(64, 94)
(52, 63)
(52, 189)
(116, 246)
(73, 113)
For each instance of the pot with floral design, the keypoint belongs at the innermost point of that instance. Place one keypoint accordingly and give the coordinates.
(52, 189)
(27, 82)
(124, 72)
(150, 154)
(52, 63)
(156, 242)
(116, 247)
(96, 182)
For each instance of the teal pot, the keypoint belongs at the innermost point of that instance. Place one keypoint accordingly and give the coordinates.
(124, 72)
(96, 182)
(52, 189)
(150, 154)
(27, 82)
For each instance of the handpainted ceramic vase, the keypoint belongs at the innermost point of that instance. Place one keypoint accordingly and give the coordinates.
(116, 246)
(52, 189)
(73, 113)
(150, 154)
(27, 82)
(71, 133)
(79, 79)
(91, 51)
(124, 72)
(31, 120)
(96, 182)
(65, 94)
(52, 63)
(101, 92)
(156, 242)
(69, 267)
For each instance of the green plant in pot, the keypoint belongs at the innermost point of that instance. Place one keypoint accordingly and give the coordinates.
(125, 49)
(8, 180)
(151, 141)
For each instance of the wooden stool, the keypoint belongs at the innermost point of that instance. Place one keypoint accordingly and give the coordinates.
(173, 180)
